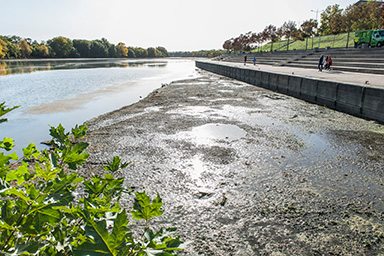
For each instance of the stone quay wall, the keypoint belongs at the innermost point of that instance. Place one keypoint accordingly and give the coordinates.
(360, 101)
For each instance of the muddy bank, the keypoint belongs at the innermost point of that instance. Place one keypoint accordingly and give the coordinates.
(245, 171)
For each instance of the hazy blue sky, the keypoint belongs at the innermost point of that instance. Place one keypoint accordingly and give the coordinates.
(174, 24)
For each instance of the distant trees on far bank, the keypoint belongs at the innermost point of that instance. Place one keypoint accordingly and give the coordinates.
(202, 53)
(62, 47)
(333, 20)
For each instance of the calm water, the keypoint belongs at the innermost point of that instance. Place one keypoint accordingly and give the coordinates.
(73, 91)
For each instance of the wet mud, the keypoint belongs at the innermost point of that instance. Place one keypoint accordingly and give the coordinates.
(246, 171)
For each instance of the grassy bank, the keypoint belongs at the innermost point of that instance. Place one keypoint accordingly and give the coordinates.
(332, 41)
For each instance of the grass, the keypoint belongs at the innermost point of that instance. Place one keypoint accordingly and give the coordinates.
(331, 41)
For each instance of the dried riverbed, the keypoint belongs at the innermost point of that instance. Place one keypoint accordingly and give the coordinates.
(245, 171)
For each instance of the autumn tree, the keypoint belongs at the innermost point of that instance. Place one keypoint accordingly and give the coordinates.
(308, 28)
(122, 50)
(3, 49)
(43, 51)
(382, 16)
(24, 48)
(331, 20)
(228, 44)
(140, 52)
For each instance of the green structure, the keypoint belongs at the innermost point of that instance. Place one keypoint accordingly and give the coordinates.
(370, 38)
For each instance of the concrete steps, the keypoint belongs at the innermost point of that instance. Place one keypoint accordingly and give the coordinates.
(369, 60)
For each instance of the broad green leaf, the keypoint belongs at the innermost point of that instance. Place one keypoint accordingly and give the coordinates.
(18, 174)
(144, 208)
(4, 159)
(46, 173)
(7, 144)
(79, 131)
(30, 151)
(115, 165)
(43, 215)
(105, 243)
(20, 194)
(59, 137)
(23, 247)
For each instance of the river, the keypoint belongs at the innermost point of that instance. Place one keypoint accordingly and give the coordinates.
(73, 91)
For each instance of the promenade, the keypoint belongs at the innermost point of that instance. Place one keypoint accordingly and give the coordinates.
(358, 94)
(362, 79)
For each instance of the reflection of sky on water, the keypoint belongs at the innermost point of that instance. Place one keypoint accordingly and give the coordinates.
(72, 96)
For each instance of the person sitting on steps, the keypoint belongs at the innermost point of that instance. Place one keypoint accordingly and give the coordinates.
(328, 63)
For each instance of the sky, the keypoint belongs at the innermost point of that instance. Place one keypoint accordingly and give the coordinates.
(174, 24)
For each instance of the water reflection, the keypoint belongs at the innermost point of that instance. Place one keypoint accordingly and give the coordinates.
(8, 67)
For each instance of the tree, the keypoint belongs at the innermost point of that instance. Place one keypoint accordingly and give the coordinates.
(140, 52)
(83, 47)
(43, 51)
(61, 46)
(24, 49)
(3, 49)
(13, 50)
(131, 53)
(112, 51)
(122, 50)
(98, 50)
(331, 20)
(288, 29)
(382, 16)
(269, 33)
(152, 52)
(163, 51)
(228, 44)
(308, 28)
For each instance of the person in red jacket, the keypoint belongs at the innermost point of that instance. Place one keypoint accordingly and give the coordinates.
(328, 64)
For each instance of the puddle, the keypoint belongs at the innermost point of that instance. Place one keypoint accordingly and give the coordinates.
(208, 134)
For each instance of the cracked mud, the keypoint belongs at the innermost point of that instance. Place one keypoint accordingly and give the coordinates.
(246, 171)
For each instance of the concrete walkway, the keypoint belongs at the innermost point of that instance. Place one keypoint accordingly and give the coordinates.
(369, 80)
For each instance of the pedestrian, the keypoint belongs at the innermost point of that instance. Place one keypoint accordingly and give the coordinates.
(245, 60)
(254, 60)
(326, 63)
(321, 63)
(329, 63)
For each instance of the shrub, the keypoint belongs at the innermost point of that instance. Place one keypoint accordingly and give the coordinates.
(46, 210)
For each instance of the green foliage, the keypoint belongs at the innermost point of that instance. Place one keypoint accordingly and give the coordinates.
(145, 209)
(47, 210)
(62, 47)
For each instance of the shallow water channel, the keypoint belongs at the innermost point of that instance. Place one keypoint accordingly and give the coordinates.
(72, 91)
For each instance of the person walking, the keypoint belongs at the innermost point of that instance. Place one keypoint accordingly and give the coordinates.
(245, 60)
(321, 63)
(254, 60)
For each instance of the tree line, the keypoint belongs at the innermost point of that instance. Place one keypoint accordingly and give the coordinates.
(201, 53)
(333, 20)
(62, 47)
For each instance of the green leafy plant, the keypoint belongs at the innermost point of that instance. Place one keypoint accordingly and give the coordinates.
(47, 209)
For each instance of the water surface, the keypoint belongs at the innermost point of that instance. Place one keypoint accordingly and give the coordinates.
(72, 91)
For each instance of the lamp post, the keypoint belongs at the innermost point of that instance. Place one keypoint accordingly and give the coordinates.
(317, 12)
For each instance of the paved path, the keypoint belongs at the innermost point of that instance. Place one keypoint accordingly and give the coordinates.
(372, 80)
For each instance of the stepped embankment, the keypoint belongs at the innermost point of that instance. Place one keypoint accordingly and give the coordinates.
(357, 94)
